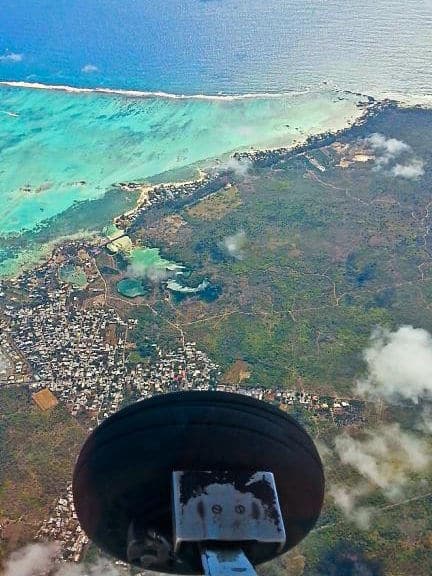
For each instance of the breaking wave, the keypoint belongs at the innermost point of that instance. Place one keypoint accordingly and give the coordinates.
(149, 94)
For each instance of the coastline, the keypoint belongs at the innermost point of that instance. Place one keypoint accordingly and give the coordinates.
(146, 189)
(136, 140)
(183, 191)
(409, 100)
(404, 100)
(260, 156)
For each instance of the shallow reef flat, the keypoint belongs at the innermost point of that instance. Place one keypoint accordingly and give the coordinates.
(73, 147)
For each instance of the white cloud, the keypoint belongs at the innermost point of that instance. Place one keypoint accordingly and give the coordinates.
(235, 245)
(411, 171)
(89, 69)
(240, 166)
(425, 424)
(37, 559)
(385, 457)
(11, 57)
(390, 152)
(399, 365)
(347, 499)
(323, 450)
(387, 149)
(32, 559)
(100, 568)
(155, 274)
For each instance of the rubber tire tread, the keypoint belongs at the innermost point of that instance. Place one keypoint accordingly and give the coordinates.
(192, 416)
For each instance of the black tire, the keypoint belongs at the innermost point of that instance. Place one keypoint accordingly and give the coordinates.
(124, 469)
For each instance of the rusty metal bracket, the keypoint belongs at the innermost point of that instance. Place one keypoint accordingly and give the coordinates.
(223, 512)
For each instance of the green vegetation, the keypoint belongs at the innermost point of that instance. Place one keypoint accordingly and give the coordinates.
(217, 205)
(328, 256)
(31, 443)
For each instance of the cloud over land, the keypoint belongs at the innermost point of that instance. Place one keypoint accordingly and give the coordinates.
(399, 365)
(387, 458)
(235, 245)
(395, 157)
(38, 559)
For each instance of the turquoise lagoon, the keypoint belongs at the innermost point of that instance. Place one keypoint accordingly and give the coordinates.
(61, 152)
(143, 262)
(146, 264)
(131, 288)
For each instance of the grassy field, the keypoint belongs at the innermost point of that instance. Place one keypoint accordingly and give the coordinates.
(37, 452)
(217, 205)
(328, 255)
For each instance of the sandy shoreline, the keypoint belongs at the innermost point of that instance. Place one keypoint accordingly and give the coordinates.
(365, 111)
(145, 190)
(300, 145)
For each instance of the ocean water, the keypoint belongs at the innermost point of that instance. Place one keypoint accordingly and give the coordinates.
(209, 46)
(58, 149)
(61, 152)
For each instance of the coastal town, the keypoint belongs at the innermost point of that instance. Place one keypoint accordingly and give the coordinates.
(76, 352)
(215, 288)
(164, 194)
(70, 343)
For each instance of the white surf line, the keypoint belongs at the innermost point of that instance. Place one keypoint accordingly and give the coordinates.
(408, 100)
(13, 114)
(149, 94)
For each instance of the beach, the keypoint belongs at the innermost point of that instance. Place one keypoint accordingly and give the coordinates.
(130, 139)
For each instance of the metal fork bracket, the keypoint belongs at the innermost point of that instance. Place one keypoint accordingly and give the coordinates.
(225, 514)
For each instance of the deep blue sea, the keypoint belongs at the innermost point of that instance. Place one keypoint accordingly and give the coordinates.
(211, 46)
(293, 58)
